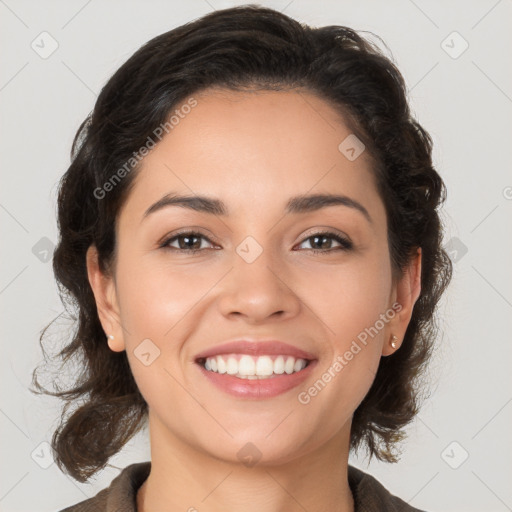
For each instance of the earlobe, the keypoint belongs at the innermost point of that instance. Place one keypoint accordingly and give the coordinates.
(114, 345)
(103, 288)
(408, 290)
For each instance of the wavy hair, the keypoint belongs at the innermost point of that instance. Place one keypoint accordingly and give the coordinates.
(241, 48)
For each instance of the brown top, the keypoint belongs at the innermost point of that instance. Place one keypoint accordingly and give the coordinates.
(121, 496)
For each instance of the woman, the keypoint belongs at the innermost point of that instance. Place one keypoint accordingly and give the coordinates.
(250, 235)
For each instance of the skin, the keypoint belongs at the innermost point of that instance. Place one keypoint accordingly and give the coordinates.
(253, 150)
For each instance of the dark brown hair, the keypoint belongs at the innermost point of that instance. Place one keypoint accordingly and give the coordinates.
(246, 47)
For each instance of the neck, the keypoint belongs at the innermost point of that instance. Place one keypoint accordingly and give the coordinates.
(183, 478)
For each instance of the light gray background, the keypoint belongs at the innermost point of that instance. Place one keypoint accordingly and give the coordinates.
(465, 104)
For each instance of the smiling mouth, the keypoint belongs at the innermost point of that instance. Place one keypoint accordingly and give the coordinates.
(244, 366)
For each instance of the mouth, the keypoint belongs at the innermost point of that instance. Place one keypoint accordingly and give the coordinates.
(255, 377)
(245, 366)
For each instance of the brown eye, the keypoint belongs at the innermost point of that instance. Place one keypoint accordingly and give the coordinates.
(187, 242)
(324, 242)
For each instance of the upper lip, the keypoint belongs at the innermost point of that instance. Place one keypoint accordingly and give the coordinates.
(256, 348)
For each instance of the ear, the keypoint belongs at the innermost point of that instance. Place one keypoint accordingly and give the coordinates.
(104, 291)
(405, 295)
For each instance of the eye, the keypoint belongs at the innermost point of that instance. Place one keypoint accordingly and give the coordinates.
(319, 239)
(187, 242)
(191, 242)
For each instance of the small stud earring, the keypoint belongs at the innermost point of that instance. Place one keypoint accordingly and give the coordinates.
(110, 337)
(394, 339)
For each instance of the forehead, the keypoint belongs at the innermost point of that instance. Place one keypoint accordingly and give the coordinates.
(253, 148)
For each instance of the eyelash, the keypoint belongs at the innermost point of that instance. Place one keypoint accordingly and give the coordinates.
(346, 245)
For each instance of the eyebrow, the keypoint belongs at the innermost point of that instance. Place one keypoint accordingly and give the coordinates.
(295, 205)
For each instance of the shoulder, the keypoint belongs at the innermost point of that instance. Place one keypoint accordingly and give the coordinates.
(120, 495)
(371, 496)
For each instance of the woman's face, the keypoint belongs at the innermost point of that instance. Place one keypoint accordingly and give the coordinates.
(255, 276)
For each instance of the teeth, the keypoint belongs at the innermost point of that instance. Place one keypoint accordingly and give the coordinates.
(279, 365)
(248, 367)
(221, 365)
(264, 366)
(232, 366)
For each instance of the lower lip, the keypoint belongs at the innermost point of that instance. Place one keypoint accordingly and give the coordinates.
(257, 388)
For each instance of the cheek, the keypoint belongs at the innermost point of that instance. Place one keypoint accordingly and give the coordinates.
(352, 309)
(353, 305)
(160, 302)
(351, 298)
(156, 305)
(153, 298)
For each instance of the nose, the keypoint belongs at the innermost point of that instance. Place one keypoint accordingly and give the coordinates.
(258, 291)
